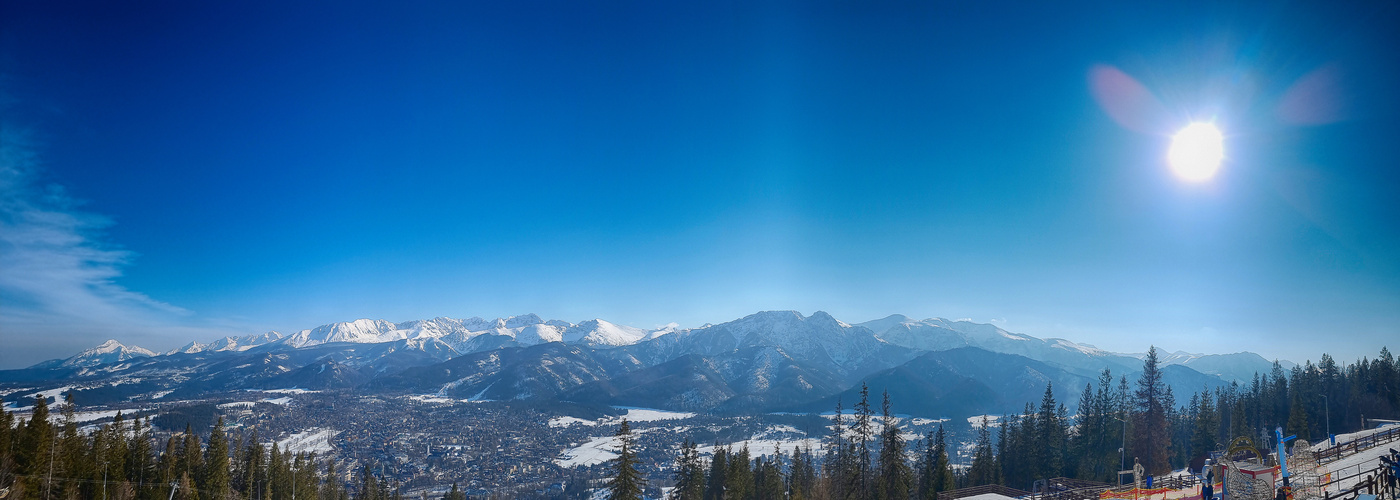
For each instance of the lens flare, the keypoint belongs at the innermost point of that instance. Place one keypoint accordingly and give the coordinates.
(1196, 152)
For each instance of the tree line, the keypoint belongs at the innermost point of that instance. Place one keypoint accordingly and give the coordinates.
(1144, 421)
(42, 460)
(1117, 424)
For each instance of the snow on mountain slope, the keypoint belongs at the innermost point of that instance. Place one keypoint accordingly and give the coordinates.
(539, 333)
(110, 351)
(664, 330)
(599, 332)
(818, 340)
(229, 344)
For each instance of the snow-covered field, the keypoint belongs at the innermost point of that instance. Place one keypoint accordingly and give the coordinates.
(601, 449)
(431, 399)
(284, 400)
(633, 415)
(567, 421)
(311, 440)
(596, 451)
(992, 420)
(88, 416)
(288, 391)
(927, 421)
(650, 414)
(12, 404)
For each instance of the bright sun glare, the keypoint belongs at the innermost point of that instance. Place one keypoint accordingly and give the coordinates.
(1196, 152)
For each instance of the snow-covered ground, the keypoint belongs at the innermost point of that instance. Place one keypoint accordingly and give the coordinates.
(311, 440)
(12, 404)
(567, 421)
(431, 399)
(284, 400)
(633, 415)
(1347, 438)
(650, 415)
(601, 449)
(992, 420)
(88, 416)
(596, 451)
(1362, 461)
(288, 391)
(927, 421)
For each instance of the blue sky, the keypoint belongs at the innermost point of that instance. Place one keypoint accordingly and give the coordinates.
(180, 171)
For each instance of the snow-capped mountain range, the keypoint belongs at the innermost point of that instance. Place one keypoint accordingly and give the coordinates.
(766, 361)
(819, 337)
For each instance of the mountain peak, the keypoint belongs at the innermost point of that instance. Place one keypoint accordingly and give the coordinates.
(110, 351)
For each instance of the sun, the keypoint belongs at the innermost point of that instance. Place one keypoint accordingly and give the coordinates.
(1196, 152)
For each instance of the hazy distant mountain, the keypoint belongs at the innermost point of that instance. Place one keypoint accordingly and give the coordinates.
(938, 334)
(1238, 367)
(962, 382)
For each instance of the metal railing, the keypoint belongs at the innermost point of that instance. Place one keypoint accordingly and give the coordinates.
(1334, 453)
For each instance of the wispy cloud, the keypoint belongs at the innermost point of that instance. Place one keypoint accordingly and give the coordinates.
(58, 274)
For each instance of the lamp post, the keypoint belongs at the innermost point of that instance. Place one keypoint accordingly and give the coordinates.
(1122, 449)
(1327, 409)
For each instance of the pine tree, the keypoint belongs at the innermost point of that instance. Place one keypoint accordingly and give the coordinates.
(865, 433)
(626, 483)
(1152, 444)
(838, 465)
(1298, 419)
(186, 489)
(983, 468)
(255, 463)
(71, 462)
(923, 469)
(768, 480)
(36, 449)
(331, 488)
(1051, 433)
(279, 473)
(942, 467)
(690, 473)
(141, 466)
(455, 494)
(216, 464)
(739, 479)
(802, 481)
(1013, 447)
(719, 469)
(7, 458)
(894, 477)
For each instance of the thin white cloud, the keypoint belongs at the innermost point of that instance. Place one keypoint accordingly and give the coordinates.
(58, 288)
